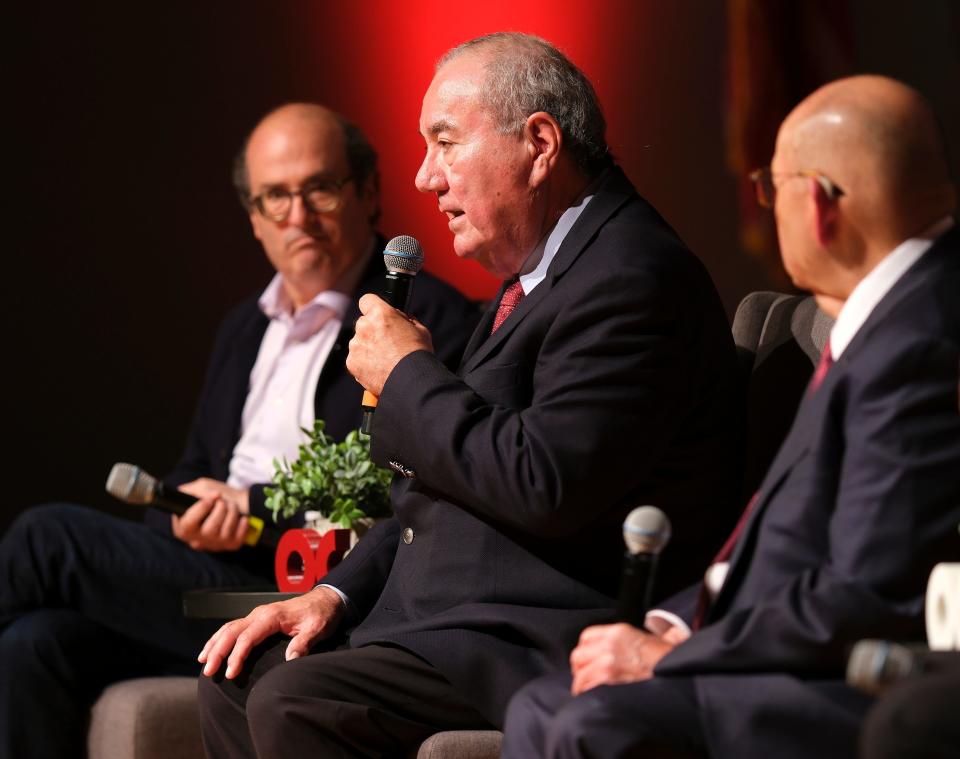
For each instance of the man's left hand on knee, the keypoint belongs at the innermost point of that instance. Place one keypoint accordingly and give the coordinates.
(615, 654)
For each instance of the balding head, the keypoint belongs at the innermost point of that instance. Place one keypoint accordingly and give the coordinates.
(320, 172)
(307, 118)
(879, 142)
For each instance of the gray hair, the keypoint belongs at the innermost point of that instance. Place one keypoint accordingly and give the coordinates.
(526, 74)
(361, 157)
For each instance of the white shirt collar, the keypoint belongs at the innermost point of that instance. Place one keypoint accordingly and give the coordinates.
(871, 289)
(276, 304)
(534, 269)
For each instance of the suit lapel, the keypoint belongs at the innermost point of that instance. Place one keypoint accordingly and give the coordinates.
(613, 191)
(371, 282)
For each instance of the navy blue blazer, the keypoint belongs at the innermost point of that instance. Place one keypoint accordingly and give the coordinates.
(215, 429)
(612, 384)
(861, 501)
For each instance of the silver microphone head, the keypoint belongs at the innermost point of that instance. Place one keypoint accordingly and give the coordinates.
(403, 255)
(875, 665)
(131, 484)
(646, 530)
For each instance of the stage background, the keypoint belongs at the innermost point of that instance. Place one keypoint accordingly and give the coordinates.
(125, 244)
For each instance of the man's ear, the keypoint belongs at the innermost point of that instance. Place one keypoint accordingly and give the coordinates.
(544, 139)
(826, 214)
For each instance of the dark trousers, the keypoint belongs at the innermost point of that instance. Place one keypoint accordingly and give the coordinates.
(336, 702)
(87, 599)
(917, 718)
(651, 719)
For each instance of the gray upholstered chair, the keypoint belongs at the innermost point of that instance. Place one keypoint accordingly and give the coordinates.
(779, 339)
(146, 718)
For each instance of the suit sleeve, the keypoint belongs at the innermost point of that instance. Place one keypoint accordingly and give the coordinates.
(363, 572)
(895, 514)
(606, 382)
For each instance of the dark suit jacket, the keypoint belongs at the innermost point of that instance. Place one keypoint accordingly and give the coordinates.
(610, 386)
(860, 503)
(216, 423)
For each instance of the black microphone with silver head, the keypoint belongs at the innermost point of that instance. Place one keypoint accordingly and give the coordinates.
(646, 531)
(403, 258)
(130, 484)
(876, 665)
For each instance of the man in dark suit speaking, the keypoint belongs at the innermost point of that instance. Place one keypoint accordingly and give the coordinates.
(87, 599)
(602, 378)
(862, 500)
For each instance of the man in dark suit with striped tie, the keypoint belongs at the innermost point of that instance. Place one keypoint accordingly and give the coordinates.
(862, 499)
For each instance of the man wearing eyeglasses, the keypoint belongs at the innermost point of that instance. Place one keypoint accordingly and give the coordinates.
(862, 499)
(87, 599)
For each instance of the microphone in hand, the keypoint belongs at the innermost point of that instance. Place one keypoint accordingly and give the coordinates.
(403, 258)
(130, 484)
(646, 531)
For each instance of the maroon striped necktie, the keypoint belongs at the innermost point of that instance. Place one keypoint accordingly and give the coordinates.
(826, 361)
(508, 302)
(724, 554)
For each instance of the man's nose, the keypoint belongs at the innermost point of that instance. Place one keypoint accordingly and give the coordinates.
(429, 178)
(299, 213)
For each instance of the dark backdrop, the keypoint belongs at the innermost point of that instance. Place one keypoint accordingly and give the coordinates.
(126, 244)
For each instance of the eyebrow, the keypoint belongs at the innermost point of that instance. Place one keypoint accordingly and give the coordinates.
(441, 125)
(321, 177)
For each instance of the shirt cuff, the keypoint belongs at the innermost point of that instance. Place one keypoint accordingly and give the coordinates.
(658, 621)
(347, 606)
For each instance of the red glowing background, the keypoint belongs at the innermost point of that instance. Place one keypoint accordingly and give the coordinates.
(390, 62)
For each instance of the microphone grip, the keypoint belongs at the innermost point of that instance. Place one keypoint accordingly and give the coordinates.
(636, 587)
(176, 502)
(171, 500)
(397, 288)
(396, 291)
(367, 405)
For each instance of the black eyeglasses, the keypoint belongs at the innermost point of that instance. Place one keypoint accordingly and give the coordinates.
(766, 188)
(318, 197)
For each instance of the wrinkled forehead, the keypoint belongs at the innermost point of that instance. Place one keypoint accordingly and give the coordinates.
(454, 97)
(295, 150)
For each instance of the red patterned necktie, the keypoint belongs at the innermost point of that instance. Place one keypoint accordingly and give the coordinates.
(724, 554)
(508, 302)
(826, 361)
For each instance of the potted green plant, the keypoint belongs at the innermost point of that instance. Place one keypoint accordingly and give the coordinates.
(339, 480)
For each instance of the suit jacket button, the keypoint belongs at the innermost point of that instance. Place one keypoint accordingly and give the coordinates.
(408, 535)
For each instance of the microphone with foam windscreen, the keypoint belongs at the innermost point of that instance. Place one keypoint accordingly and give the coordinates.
(403, 258)
(132, 485)
(646, 531)
(875, 665)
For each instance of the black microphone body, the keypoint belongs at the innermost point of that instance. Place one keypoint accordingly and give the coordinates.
(636, 587)
(403, 258)
(171, 501)
(397, 288)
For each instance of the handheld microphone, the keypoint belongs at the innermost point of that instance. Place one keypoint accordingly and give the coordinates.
(130, 484)
(646, 531)
(875, 665)
(403, 258)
